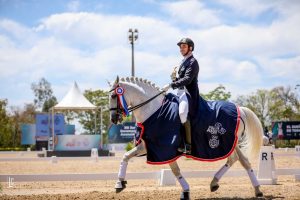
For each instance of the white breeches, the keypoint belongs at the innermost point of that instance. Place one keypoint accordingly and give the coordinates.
(183, 105)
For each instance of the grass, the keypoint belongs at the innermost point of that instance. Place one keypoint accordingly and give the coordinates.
(286, 143)
(129, 146)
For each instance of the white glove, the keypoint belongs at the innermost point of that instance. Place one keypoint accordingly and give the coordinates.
(166, 87)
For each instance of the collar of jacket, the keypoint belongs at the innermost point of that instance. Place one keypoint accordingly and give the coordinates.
(186, 57)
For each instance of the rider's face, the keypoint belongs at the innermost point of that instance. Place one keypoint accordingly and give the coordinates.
(184, 49)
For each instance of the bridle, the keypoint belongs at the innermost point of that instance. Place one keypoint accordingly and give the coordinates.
(122, 106)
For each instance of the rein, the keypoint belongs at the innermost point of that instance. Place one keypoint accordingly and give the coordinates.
(144, 103)
(130, 109)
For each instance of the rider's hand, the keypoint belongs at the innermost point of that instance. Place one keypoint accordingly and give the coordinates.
(166, 87)
(173, 75)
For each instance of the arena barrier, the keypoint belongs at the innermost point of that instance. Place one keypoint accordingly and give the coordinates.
(137, 175)
(267, 173)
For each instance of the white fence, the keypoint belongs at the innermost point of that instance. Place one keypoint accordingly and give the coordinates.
(138, 175)
(113, 176)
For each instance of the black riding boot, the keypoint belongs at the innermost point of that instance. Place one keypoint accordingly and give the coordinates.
(188, 142)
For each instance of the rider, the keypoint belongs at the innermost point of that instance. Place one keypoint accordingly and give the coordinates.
(187, 84)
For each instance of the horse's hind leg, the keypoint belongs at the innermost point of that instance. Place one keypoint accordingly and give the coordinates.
(121, 183)
(214, 185)
(185, 195)
(246, 164)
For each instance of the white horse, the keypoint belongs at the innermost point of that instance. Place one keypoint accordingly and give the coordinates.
(137, 91)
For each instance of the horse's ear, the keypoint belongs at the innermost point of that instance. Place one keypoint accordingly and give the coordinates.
(108, 82)
(117, 80)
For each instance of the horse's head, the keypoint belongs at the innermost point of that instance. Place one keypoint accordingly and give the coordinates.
(138, 93)
(115, 108)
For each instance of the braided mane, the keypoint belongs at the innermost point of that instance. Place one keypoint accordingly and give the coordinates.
(141, 82)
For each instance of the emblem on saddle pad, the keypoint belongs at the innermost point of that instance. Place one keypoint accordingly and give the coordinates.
(214, 131)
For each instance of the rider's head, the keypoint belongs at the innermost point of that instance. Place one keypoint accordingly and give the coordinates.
(186, 46)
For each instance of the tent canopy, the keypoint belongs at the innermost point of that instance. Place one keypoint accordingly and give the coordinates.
(74, 100)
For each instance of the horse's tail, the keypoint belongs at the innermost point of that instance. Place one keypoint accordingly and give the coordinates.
(252, 139)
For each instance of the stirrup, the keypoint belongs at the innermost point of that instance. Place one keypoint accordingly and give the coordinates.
(187, 149)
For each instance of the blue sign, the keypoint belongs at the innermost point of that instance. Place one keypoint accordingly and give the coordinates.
(28, 134)
(121, 133)
(44, 125)
(69, 129)
(59, 124)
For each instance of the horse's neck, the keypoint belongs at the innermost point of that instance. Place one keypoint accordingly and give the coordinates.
(135, 95)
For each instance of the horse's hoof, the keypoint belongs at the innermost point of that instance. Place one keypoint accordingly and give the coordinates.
(259, 194)
(120, 186)
(118, 190)
(185, 195)
(214, 188)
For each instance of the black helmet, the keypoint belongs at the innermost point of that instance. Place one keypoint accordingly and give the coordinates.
(187, 41)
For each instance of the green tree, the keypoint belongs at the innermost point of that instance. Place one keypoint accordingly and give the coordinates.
(259, 103)
(279, 103)
(5, 125)
(19, 117)
(284, 105)
(219, 93)
(100, 99)
(44, 98)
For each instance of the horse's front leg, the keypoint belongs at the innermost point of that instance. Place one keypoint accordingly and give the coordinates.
(138, 150)
(185, 195)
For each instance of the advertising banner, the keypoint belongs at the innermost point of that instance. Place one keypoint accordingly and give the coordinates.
(121, 133)
(69, 129)
(43, 123)
(286, 130)
(28, 134)
(76, 142)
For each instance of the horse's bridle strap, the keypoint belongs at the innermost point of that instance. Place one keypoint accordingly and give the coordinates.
(144, 103)
(141, 104)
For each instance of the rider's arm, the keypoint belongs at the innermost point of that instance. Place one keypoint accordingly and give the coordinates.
(190, 73)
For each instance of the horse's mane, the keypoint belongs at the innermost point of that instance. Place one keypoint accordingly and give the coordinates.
(141, 82)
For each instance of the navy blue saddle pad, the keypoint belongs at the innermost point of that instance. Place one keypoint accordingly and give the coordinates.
(214, 131)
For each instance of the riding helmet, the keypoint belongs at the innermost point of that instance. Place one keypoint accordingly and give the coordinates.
(187, 41)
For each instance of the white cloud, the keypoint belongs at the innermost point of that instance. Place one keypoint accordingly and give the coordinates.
(282, 68)
(249, 8)
(99, 31)
(191, 12)
(93, 47)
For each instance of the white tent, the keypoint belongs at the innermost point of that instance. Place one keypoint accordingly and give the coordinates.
(73, 100)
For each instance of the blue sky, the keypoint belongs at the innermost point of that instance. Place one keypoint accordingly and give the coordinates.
(243, 45)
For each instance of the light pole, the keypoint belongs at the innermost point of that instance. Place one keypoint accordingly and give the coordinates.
(132, 37)
(102, 109)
